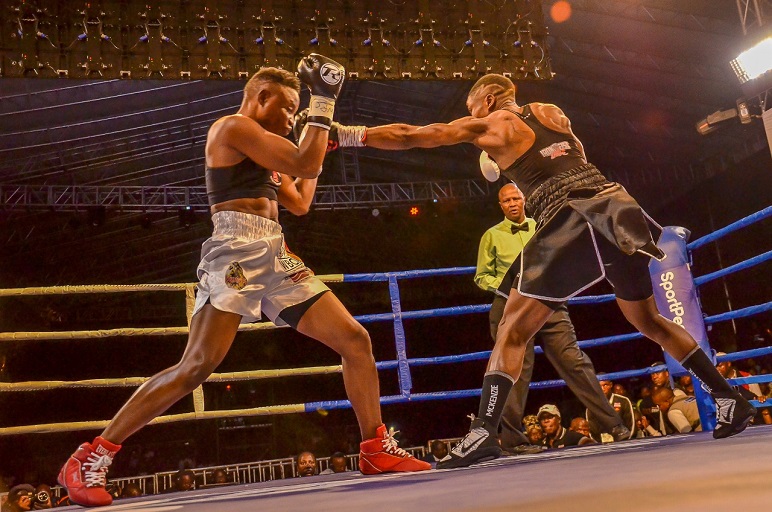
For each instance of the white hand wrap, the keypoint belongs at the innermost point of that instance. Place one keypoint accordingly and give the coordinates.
(320, 111)
(490, 169)
(351, 136)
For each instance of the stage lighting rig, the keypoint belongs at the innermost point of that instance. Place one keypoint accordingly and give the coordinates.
(741, 111)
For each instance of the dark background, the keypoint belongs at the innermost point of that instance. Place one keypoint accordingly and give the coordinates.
(633, 83)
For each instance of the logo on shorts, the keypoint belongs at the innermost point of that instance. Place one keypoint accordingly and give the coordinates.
(289, 262)
(555, 150)
(331, 74)
(275, 178)
(234, 277)
(299, 276)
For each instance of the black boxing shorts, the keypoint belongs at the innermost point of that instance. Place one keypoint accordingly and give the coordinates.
(588, 229)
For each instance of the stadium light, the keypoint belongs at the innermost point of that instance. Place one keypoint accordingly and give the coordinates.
(754, 62)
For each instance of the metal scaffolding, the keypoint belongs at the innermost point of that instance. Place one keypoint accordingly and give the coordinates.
(172, 198)
(753, 13)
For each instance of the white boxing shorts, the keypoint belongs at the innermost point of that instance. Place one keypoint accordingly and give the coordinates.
(247, 269)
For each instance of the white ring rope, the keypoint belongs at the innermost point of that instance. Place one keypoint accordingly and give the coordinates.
(198, 393)
(138, 381)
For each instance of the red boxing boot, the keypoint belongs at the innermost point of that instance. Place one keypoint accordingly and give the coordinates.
(382, 455)
(84, 475)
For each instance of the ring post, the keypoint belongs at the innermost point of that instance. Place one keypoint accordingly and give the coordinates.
(676, 296)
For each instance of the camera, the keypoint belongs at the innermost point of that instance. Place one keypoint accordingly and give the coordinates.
(42, 497)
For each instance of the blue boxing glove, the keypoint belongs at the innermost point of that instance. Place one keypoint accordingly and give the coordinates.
(324, 77)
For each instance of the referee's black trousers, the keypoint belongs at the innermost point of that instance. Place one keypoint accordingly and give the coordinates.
(558, 340)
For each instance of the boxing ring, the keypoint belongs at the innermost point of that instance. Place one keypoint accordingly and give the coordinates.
(583, 473)
(683, 473)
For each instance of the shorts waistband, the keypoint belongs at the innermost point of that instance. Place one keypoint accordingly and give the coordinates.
(244, 225)
(542, 202)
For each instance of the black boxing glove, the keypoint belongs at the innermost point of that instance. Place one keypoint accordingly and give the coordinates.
(324, 77)
(340, 136)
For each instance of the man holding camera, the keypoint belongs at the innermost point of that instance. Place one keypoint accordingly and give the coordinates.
(24, 497)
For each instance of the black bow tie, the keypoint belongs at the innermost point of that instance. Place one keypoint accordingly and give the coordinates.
(519, 227)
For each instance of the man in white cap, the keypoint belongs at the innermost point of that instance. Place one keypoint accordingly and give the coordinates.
(555, 435)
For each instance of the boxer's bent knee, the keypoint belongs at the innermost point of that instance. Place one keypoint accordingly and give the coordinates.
(358, 344)
(192, 371)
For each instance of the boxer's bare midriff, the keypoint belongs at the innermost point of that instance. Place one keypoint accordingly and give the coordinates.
(261, 206)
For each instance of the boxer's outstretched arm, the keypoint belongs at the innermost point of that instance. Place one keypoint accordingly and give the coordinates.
(405, 136)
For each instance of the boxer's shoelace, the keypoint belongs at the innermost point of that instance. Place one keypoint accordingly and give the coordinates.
(96, 475)
(390, 445)
(475, 437)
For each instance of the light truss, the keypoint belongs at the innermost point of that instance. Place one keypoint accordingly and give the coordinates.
(171, 198)
(231, 39)
(754, 13)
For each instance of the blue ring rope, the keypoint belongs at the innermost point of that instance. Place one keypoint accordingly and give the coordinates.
(423, 397)
(739, 313)
(746, 221)
(407, 274)
(745, 354)
(403, 363)
(484, 355)
(753, 379)
(733, 268)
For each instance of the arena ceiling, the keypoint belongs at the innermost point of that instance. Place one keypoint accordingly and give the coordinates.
(634, 76)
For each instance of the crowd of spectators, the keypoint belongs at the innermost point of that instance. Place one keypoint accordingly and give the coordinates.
(663, 406)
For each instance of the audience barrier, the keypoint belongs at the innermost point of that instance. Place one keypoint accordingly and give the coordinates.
(242, 473)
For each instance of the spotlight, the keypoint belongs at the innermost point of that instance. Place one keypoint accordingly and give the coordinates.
(708, 125)
(754, 69)
(376, 212)
(754, 62)
(414, 211)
